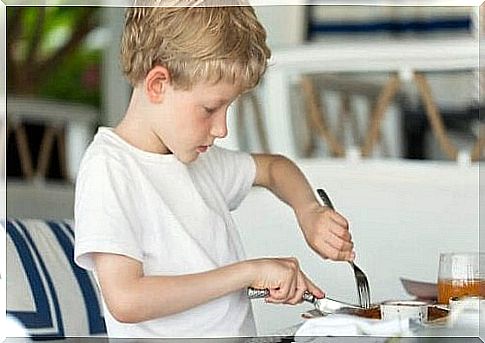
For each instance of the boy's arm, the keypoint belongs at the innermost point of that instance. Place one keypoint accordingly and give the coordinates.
(325, 230)
(132, 297)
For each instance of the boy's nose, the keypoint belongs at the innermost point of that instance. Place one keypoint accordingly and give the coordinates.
(219, 126)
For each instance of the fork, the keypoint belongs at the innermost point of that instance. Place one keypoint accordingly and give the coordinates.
(363, 289)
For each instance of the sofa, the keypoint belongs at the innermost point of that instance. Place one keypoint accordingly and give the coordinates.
(46, 291)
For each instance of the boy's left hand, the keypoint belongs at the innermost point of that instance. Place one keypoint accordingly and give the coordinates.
(327, 233)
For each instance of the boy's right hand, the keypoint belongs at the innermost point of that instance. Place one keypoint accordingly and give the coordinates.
(284, 279)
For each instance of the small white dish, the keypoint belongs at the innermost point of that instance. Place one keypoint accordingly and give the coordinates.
(405, 309)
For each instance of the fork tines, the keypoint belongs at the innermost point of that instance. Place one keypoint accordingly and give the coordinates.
(362, 286)
(360, 277)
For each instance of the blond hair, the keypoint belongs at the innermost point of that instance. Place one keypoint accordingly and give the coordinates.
(195, 43)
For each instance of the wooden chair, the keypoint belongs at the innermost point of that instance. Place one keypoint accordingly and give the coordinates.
(57, 118)
(318, 124)
(248, 104)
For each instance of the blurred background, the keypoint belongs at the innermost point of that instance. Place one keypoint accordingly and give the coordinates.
(349, 82)
(378, 104)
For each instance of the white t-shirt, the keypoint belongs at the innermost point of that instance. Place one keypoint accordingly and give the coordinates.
(173, 217)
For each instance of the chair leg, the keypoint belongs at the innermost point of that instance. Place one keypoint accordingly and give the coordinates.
(309, 139)
(25, 155)
(477, 149)
(258, 116)
(241, 122)
(382, 103)
(342, 120)
(434, 117)
(354, 124)
(314, 111)
(349, 120)
(45, 151)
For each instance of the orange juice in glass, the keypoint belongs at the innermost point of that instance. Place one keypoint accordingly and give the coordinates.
(460, 275)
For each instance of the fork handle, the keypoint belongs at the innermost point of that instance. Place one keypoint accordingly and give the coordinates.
(325, 198)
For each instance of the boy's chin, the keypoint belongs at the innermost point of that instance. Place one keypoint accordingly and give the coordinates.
(187, 157)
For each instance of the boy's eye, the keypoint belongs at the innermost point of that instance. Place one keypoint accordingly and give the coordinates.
(209, 110)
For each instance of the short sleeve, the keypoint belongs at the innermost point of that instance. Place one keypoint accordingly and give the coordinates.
(104, 219)
(234, 172)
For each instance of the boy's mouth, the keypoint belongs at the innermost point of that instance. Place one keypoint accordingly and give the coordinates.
(202, 148)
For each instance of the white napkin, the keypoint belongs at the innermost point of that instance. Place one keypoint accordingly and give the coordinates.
(13, 328)
(347, 325)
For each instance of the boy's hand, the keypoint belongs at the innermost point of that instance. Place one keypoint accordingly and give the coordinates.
(327, 233)
(284, 279)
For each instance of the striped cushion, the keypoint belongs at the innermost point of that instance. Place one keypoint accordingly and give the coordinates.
(46, 290)
(331, 20)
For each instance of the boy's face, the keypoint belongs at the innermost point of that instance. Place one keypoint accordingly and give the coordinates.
(191, 120)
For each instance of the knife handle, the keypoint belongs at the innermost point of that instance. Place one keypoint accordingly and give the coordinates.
(256, 293)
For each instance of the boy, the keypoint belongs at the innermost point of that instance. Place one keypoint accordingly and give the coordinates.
(153, 195)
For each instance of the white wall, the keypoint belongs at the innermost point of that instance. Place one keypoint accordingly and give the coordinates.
(402, 215)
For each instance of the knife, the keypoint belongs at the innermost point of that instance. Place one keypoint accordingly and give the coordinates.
(324, 305)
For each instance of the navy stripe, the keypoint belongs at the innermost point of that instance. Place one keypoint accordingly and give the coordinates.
(69, 229)
(55, 301)
(95, 320)
(41, 318)
(316, 27)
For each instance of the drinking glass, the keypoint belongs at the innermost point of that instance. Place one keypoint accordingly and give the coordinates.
(460, 275)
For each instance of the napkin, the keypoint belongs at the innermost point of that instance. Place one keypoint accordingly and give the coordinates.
(13, 328)
(348, 325)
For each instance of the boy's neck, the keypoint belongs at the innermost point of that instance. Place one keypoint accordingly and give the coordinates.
(134, 128)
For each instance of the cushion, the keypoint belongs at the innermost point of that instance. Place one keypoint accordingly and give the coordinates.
(46, 291)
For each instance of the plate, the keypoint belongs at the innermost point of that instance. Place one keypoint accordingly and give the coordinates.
(420, 289)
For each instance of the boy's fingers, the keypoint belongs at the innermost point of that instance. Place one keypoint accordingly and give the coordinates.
(296, 287)
(339, 219)
(341, 232)
(291, 291)
(299, 290)
(329, 251)
(271, 300)
(314, 289)
(281, 294)
(339, 244)
(276, 296)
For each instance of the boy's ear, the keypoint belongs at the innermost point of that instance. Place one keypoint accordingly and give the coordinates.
(156, 82)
